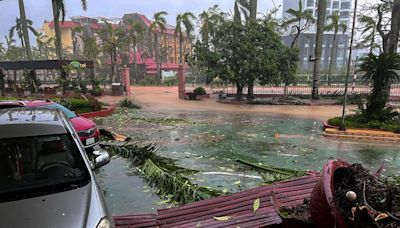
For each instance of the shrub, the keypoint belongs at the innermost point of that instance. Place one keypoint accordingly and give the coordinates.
(127, 103)
(97, 91)
(216, 83)
(170, 81)
(199, 91)
(147, 80)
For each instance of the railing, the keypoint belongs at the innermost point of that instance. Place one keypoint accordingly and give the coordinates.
(301, 88)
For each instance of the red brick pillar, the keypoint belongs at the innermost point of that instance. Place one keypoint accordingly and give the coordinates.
(124, 72)
(181, 82)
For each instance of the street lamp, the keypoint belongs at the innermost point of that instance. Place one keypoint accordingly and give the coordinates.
(342, 126)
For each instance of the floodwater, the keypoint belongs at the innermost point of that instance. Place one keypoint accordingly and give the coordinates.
(213, 147)
(124, 191)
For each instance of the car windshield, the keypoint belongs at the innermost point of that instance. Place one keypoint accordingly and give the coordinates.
(31, 166)
(66, 111)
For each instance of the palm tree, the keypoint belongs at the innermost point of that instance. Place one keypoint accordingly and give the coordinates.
(185, 20)
(318, 47)
(334, 25)
(299, 20)
(394, 27)
(59, 12)
(74, 36)
(2, 51)
(25, 27)
(18, 30)
(241, 7)
(253, 11)
(209, 20)
(369, 30)
(158, 25)
(135, 33)
(112, 40)
(381, 71)
(45, 45)
(253, 20)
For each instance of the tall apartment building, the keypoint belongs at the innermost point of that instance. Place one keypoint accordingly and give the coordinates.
(306, 41)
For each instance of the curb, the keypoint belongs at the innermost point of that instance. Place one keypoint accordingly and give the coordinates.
(102, 113)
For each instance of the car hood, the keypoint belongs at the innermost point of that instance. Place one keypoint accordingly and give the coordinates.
(81, 123)
(73, 208)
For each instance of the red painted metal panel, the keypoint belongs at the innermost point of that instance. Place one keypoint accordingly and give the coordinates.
(238, 205)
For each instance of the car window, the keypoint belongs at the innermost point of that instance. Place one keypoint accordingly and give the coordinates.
(40, 165)
(66, 111)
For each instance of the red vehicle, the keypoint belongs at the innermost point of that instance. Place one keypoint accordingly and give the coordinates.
(86, 129)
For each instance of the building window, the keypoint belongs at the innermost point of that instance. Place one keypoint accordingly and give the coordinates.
(310, 3)
(328, 4)
(345, 5)
(335, 5)
(344, 14)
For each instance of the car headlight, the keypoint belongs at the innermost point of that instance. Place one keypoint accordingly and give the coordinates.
(88, 132)
(104, 223)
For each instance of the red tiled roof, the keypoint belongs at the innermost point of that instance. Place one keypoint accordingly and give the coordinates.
(65, 24)
(71, 24)
(238, 205)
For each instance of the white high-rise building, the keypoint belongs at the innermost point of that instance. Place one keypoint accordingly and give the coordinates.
(306, 41)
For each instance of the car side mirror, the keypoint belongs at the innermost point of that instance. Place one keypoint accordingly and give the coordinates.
(101, 159)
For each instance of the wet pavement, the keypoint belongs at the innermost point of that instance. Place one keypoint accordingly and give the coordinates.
(210, 142)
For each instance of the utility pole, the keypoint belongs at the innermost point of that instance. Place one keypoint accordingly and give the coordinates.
(342, 125)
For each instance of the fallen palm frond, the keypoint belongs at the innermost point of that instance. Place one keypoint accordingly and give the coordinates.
(161, 173)
(179, 187)
(272, 174)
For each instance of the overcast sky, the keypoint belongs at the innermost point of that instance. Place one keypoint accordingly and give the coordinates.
(40, 10)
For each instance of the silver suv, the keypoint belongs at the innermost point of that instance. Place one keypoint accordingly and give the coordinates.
(46, 178)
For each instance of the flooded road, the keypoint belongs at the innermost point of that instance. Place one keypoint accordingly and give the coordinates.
(210, 142)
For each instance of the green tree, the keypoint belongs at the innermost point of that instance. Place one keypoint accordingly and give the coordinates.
(18, 30)
(246, 49)
(334, 25)
(288, 66)
(45, 45)
(135, 35)
(113, 39)
(183, 20)
(381, 71)
(210, 21)
(318, 47)
(59, 13)
(298, 22)
(368, 32)
(158, 26)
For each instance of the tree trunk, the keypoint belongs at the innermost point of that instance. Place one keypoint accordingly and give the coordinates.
(157, 56)
(57, 30)
(135, 71)
(295, 38)
(318, 48)
(333, 56)
(371, 49)
(239, 92)
(253, 11)
(175, 54)
(25, 29)
(253, 20)
(395, 28)
(250, 90)
(180, 51)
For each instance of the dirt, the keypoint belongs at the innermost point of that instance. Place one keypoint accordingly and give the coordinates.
(166, 99)
(381, 195)
(298, 213)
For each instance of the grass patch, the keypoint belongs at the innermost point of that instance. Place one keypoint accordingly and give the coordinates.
(357, 121)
